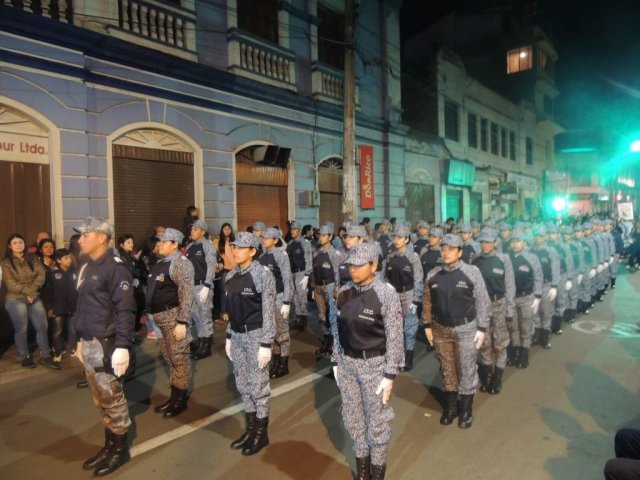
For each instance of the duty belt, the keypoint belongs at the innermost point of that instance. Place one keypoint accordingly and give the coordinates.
(324, 283)
(496, 297)
(403, 289)
(104, 339)
(246, 328)
(523, 293)
(164, 308)
(364, 354)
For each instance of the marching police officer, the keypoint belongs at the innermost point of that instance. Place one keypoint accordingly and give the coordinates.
(366, 356)
(326, 264)
(404, 273)
(529, 279)
(455, 316)
(577, 257)
(105, 319)
(567, 276)
(589, 268)
(504, 240)
(301, 259)
(470, 248)
(277, 262)
(251, 303)
(169, 299)
(204, 258)
(497, 272)
(423, 236)
(430, 256)
(356, 234)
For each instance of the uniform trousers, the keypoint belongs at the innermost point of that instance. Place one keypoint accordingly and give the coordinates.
(326, 303)
(282, 338)
(410, 320)
(496, 339)
(457, 355)
(175, 352)
(252, 382)
(521, 329)
(299, 295)
(201, 312)
(543, 318)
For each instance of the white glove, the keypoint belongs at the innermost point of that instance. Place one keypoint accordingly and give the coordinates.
(478, 339)
(227, 348)
(580, 279)
(611, 259)
(535, 305)
(413, 308)
(136, 282)
(335, 374)
(180, 332)
(264, 357)
(304, 282)
(599, 269)
(568, 285)
(553, 293)
(204, 293)
(79, 351)
(120, 361)
(605, 265)
(592, 273)
(284, 311)
(385, 387)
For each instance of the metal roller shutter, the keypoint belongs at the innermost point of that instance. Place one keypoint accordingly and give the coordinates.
(330, 186)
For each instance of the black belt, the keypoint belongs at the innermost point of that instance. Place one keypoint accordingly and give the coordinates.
(403, 289)
(523, 293)
(364, 354)
(456, 322)
(199, 283)
(164, 308)
(298, 271)
(104, 339)
(247, 328)
(324, 283)
(496, 297)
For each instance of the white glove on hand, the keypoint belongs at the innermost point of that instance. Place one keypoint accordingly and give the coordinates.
(335, 375)
(227, 348)
(180, 331)
(385, 387)
(599, 269)
(568, 285)
(413, 309)
(284, 311)
(592, 273)
(79, 351)
(304, 282)
(478, 339)
(553, 293)
(429, 334)
(204, 293)
(264, 357)
(535, 305)
(605, 265)
(136, 282)
(120, 361)
(580, 279)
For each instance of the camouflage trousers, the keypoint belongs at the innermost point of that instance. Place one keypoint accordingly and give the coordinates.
(201, 313)
(323, 296)
(410, 320)
(175, 352)
(521, 329)
(574, 293)
(543, 318)
(299, 295)
(106, 389)
(457, 355)
(562, 299)
(613, 268)
(496, 339)
(585, 287)
(282, 339)
(365, 418)
(252, 382)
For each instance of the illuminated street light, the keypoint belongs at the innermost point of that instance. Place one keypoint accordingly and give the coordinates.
(559, 204)
(635, 146)
(523, 54)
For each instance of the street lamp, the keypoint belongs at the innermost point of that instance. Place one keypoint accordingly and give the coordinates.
(635, 146)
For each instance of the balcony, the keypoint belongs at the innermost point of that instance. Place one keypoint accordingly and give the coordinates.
(61, 10)
(260, 60)
(327, 83)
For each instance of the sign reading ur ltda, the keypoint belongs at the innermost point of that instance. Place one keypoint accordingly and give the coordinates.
(23, 148)
(367, 178)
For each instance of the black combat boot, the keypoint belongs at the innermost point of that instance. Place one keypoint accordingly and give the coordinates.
(259, 439)
(162, 408)
(535, 339)
(450, 408)
(326, 348)
(300, 323)
(195, 345)
(283, 367)
(179, 405)
(93, 462)
(465, 419)
(408, 361)
(378, 471)
(484, 373)
(523, 361)
(274, 365)
(514, 356)
(496, 382)
(118, 455)
(250, 428)
(556, 325)
(363, 468)
(613, 283)
(544, 340)
(205, 348)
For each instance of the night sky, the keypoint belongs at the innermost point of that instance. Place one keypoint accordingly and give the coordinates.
(598, 44)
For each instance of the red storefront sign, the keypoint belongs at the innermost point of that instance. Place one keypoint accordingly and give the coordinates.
(367, 193)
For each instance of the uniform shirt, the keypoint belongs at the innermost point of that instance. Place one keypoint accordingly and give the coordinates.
(430, 259)
(577, 256)
(601, 255)
(527, 272)
(276, 260)
(63, 291)
(404, 273)
(106, 307)
(564, 250)
(496, 269)
(470, 249)
(370, 318)
(385, 244)
(468, 294)
(420, 243)
(326, 265)
(262, 285)
(179, 283)
(589, 251)
(550, 262)
(204, 258)
(300, 255)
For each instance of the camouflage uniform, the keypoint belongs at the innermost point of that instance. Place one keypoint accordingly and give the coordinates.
(326, 275)
(204, 273)
(301, 260)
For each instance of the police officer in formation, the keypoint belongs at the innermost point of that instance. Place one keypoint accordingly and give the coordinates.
(577, 258)
(456, 311)
(169, 299)
(404, 273)
(422, 239)
(470, 247)
(587, 247)
(277, 261)
(504, 240)
(567, 277)
(430, 256)
(301, 259)
(251, 294)
(356, 234)
(204, 258)
(367, 354)
(497, 272)
(105, 319)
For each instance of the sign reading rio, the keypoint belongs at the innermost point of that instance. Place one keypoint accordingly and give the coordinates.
(367, 178)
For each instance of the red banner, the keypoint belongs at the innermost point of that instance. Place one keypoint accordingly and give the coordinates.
(367, 179)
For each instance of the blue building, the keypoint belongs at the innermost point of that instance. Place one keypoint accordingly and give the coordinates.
(132, 110)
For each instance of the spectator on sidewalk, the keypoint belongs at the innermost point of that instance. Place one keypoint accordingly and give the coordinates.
(187, 221)
(626, 465)
(136, 268)
(225, 252)
(33, 249)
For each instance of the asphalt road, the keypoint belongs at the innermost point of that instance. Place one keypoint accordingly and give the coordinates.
(555, 420)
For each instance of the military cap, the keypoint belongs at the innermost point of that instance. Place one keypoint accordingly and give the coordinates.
(386, 222)
(245, 240)
(422, 224)
(539, 230)
(504, 226)
(295, 225)
(488, 235)
(362, 254)
(552, 228)
(259, 227)
(566, 229)
(464, 228)
(356, 230)
(401, 231)
(171, 235)
(93, 224)
(271, 232)
(200, 224)
(452, 240)
(326, 229)
(436, 232)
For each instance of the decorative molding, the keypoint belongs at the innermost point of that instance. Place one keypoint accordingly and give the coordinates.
(156, 139)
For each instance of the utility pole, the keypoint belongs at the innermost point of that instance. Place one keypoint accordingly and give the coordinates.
(349, 191)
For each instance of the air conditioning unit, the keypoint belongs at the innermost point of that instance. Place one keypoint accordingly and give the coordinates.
(309, 199)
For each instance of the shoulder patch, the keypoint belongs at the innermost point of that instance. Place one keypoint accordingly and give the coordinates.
(117, 259)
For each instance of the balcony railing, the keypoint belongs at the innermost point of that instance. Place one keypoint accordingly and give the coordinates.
(57, 9)
(327, 83)
(260, 60)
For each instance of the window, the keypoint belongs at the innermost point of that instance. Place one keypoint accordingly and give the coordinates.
(503, 142)
(451, 121)
(494, 138)
(484, 134)
(512, 145)
(529, 149)
(519, 60)
(472, 130)
(331, 37)
(259, 18)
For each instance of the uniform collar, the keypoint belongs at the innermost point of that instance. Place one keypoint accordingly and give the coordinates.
(100, 260)
(176, 254)
(451, 268)
(242, 271)
(364, 288)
